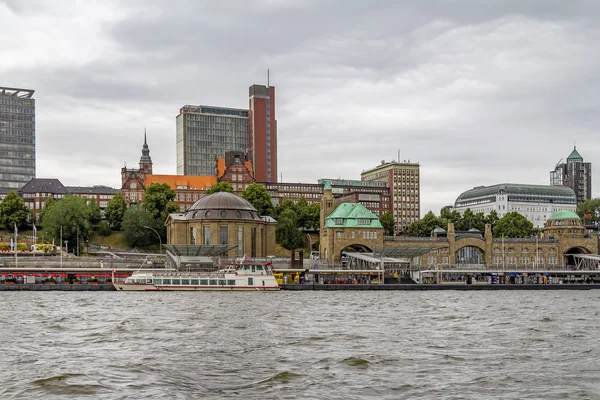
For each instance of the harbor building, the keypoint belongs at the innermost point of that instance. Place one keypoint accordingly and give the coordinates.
(534, 202)
(224, 218)
(403, 180)
(576, 174)
(17, 137)
(207, 132)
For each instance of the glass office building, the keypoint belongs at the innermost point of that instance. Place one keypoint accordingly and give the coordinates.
(17, 137)
(205, 133)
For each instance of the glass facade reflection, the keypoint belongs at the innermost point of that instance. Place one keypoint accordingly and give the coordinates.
(17, 137)
(205, 133)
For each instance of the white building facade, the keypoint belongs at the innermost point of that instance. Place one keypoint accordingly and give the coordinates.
(535, 202)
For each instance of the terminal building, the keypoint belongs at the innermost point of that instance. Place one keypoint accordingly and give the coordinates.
(535, 202)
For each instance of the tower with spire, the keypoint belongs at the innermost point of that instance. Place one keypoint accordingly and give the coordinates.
(145, 160)
(576, 174)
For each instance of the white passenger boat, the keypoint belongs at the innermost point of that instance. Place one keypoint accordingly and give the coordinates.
(245, 276)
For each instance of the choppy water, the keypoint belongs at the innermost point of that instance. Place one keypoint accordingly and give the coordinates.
(306, 345)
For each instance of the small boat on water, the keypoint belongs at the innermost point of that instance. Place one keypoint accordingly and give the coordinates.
(235, 277)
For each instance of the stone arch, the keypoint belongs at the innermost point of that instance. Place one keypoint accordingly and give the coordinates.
(470, 251)
(356, 247)
(568, 258)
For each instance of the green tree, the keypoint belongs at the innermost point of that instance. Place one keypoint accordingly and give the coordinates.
(424, 226)
(452, 216)
(49, 202)
(115, 210)
(313, 216)
(258, 196)
(73, 215)
(589, 211)
(158, 199)
(220, 187)
(492, 219)
(513, 225)
(134, 233)
(13, 211)
(286, 204)
(387, 220)
(287, 233)
(95, 215)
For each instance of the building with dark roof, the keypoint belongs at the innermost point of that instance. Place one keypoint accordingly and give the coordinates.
(534, 202)
(38, 190)
(224, 218)
(575, 174)
(100, 194)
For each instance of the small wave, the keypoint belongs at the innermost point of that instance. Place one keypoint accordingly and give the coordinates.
(284, 377)
(315, 338)
(453, 358)
(356, 362)
(58, 386)
(403, 388)
(53, 379)
(546, 319)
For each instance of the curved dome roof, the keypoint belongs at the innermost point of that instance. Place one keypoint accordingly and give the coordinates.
(222, 201)
(222, 206)
(563, 214)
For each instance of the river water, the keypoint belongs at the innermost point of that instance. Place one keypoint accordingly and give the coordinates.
(301, 345)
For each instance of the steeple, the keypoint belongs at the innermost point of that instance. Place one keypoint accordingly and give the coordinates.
(145, 160)
(575, 155)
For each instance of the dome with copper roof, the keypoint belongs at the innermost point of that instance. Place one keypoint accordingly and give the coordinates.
(222, 206)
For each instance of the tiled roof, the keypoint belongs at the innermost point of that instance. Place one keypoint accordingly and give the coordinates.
(41, 185)
(91, 190)
(347, 215)
(190, 181)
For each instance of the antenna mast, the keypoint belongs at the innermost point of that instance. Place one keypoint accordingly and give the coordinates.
(268, 78)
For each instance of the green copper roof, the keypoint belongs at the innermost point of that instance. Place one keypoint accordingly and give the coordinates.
(563, 214)
(352, 215)
(327, 186)
(439, 230)
(574, 154)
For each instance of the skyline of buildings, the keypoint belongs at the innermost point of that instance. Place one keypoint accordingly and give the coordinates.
(391, 186)
(17, 137)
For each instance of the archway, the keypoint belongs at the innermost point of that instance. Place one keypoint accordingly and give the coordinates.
(352, 248)
(470, 255)
(569, 260)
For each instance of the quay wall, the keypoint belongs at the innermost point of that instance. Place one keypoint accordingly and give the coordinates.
(57, 287)
(446, 286)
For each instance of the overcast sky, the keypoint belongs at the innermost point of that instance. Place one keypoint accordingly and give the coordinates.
(478, 92)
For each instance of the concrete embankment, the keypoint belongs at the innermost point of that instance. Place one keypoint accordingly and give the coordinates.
(58, 287)
(448, 286)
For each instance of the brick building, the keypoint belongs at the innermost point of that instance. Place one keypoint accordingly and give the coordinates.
(99, 194)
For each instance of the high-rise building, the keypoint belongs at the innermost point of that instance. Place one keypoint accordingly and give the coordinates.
(205, 133)
(575, 174)
(403, 179)
(17, 137)
(262, 129)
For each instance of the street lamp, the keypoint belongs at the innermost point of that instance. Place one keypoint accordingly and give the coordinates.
(157, 234)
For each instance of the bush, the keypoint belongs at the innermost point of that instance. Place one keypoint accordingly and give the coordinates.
(103, 228)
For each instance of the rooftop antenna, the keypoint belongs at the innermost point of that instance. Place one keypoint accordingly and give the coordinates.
(267, 77)
(281, 177)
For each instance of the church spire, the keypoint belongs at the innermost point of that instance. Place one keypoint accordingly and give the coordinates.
(146, 160)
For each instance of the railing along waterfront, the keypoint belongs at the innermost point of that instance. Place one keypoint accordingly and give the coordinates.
(486, 267)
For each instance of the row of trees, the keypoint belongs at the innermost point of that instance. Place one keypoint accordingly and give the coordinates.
(512, 225)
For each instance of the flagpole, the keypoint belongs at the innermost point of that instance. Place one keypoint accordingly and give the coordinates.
(16, 246)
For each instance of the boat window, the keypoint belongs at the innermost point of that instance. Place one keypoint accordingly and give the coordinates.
(148, 280)
(195, 282)
(250, 281)
(185, 281)
(254, 268)
(176, 281)
(231, 282)
(213, 282)
(166, 281)
(259, 268)
(140, 281)
(158, 281)
(222, 282)
(204, 281)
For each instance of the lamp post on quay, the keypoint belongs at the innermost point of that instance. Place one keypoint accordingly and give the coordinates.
(157, 234)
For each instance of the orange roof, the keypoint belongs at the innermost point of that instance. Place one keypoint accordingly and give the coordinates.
(189, 181)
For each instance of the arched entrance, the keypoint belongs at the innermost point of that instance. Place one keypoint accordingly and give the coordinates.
(569, 260)
(470, 255)
(353, 248)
